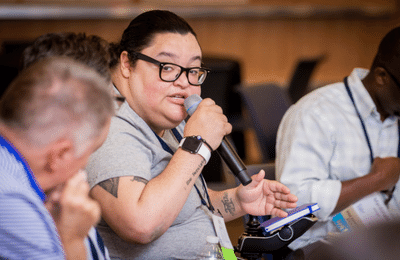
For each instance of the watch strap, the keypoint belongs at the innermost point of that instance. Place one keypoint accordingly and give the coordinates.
(204, 151)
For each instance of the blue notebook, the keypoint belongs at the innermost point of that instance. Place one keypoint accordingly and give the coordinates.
(294, 214)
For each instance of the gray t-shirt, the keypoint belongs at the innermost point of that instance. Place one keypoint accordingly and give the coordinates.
(132, 149)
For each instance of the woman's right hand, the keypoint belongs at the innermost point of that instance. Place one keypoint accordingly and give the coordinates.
(209, 122)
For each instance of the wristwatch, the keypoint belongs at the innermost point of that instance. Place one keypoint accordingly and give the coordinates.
(196, 145)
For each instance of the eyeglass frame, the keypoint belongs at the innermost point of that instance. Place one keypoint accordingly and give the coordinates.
(144, 57)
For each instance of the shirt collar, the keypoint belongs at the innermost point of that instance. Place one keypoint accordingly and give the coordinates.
(362, 98)
(32, 180)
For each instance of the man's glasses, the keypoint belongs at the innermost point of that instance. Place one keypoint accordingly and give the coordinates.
(170, 72)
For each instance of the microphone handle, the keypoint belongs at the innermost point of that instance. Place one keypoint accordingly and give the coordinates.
(236, 165)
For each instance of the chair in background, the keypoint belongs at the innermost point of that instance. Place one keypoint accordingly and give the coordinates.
(220, 86)
(299, 83)
(266, 104)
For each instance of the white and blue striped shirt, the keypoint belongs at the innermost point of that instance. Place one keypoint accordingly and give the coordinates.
(321, 143)
(27, 230)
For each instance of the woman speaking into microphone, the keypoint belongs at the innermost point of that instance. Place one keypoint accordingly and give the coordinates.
(147, 175)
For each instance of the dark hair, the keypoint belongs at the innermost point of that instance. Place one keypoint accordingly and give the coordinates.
(141, 31)
(91, 50)
(388, 54)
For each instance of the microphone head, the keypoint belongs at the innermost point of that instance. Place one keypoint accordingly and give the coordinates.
(191, 103)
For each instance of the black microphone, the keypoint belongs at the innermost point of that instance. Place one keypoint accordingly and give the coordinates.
(225, 150)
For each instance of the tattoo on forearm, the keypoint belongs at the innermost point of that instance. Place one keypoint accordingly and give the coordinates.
(229, 206)
(111, 185)
(139, 179)
(196, 171)
(199, 167)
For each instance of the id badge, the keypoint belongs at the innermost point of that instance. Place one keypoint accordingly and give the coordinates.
(222, 233)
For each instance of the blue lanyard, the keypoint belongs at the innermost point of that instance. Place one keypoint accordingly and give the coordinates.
(168, 149)
(203, 201)
(164, 145)
(363, 125)
(100, 243)
(389, 193)
(27, 169)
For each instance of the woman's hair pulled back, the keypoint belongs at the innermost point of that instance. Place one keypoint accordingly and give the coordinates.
(141, 31)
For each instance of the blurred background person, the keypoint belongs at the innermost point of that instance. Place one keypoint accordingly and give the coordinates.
(91, 50)
(52, 117)
(341, 142)
(380, 241)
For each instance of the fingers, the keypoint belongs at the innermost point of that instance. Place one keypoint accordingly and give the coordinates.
(78, 181)
(78, 211)
(280, 198)
(275, 187)
(256, 179)
(279, 213)
(52, 203)
(281, 204)
(259, 176)
(76, 195)
(209, 122)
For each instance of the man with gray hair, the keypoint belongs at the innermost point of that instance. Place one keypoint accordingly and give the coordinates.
(52, 117)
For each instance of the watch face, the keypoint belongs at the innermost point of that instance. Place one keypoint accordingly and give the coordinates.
(191, 144)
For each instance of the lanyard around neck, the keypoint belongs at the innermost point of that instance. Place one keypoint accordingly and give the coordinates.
(27, 169)
(164, 144)
(168, 149)
(362, 122)
(389, 193)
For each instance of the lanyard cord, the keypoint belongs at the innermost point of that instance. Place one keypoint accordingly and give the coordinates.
(164, 145)
(361, 121)
(389, 193)
(100, 244)
(203, 201)
(168, 149)
(10, 148)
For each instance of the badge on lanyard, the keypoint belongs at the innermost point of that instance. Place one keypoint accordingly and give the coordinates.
(218, 221)
(222, 233)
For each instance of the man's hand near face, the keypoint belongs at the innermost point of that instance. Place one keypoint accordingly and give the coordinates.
(74, 213)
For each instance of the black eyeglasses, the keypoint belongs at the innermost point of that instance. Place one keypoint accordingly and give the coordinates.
(393, 77)
(169, 72)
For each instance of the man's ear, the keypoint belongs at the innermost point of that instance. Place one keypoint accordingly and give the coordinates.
(59, 154)
(380, 76)
(125, 65)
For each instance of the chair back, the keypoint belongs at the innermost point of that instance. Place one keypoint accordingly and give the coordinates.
(266, 104)
(299, 82)
(219, 86)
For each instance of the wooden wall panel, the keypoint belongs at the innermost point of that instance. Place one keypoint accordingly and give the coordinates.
(267, 48)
